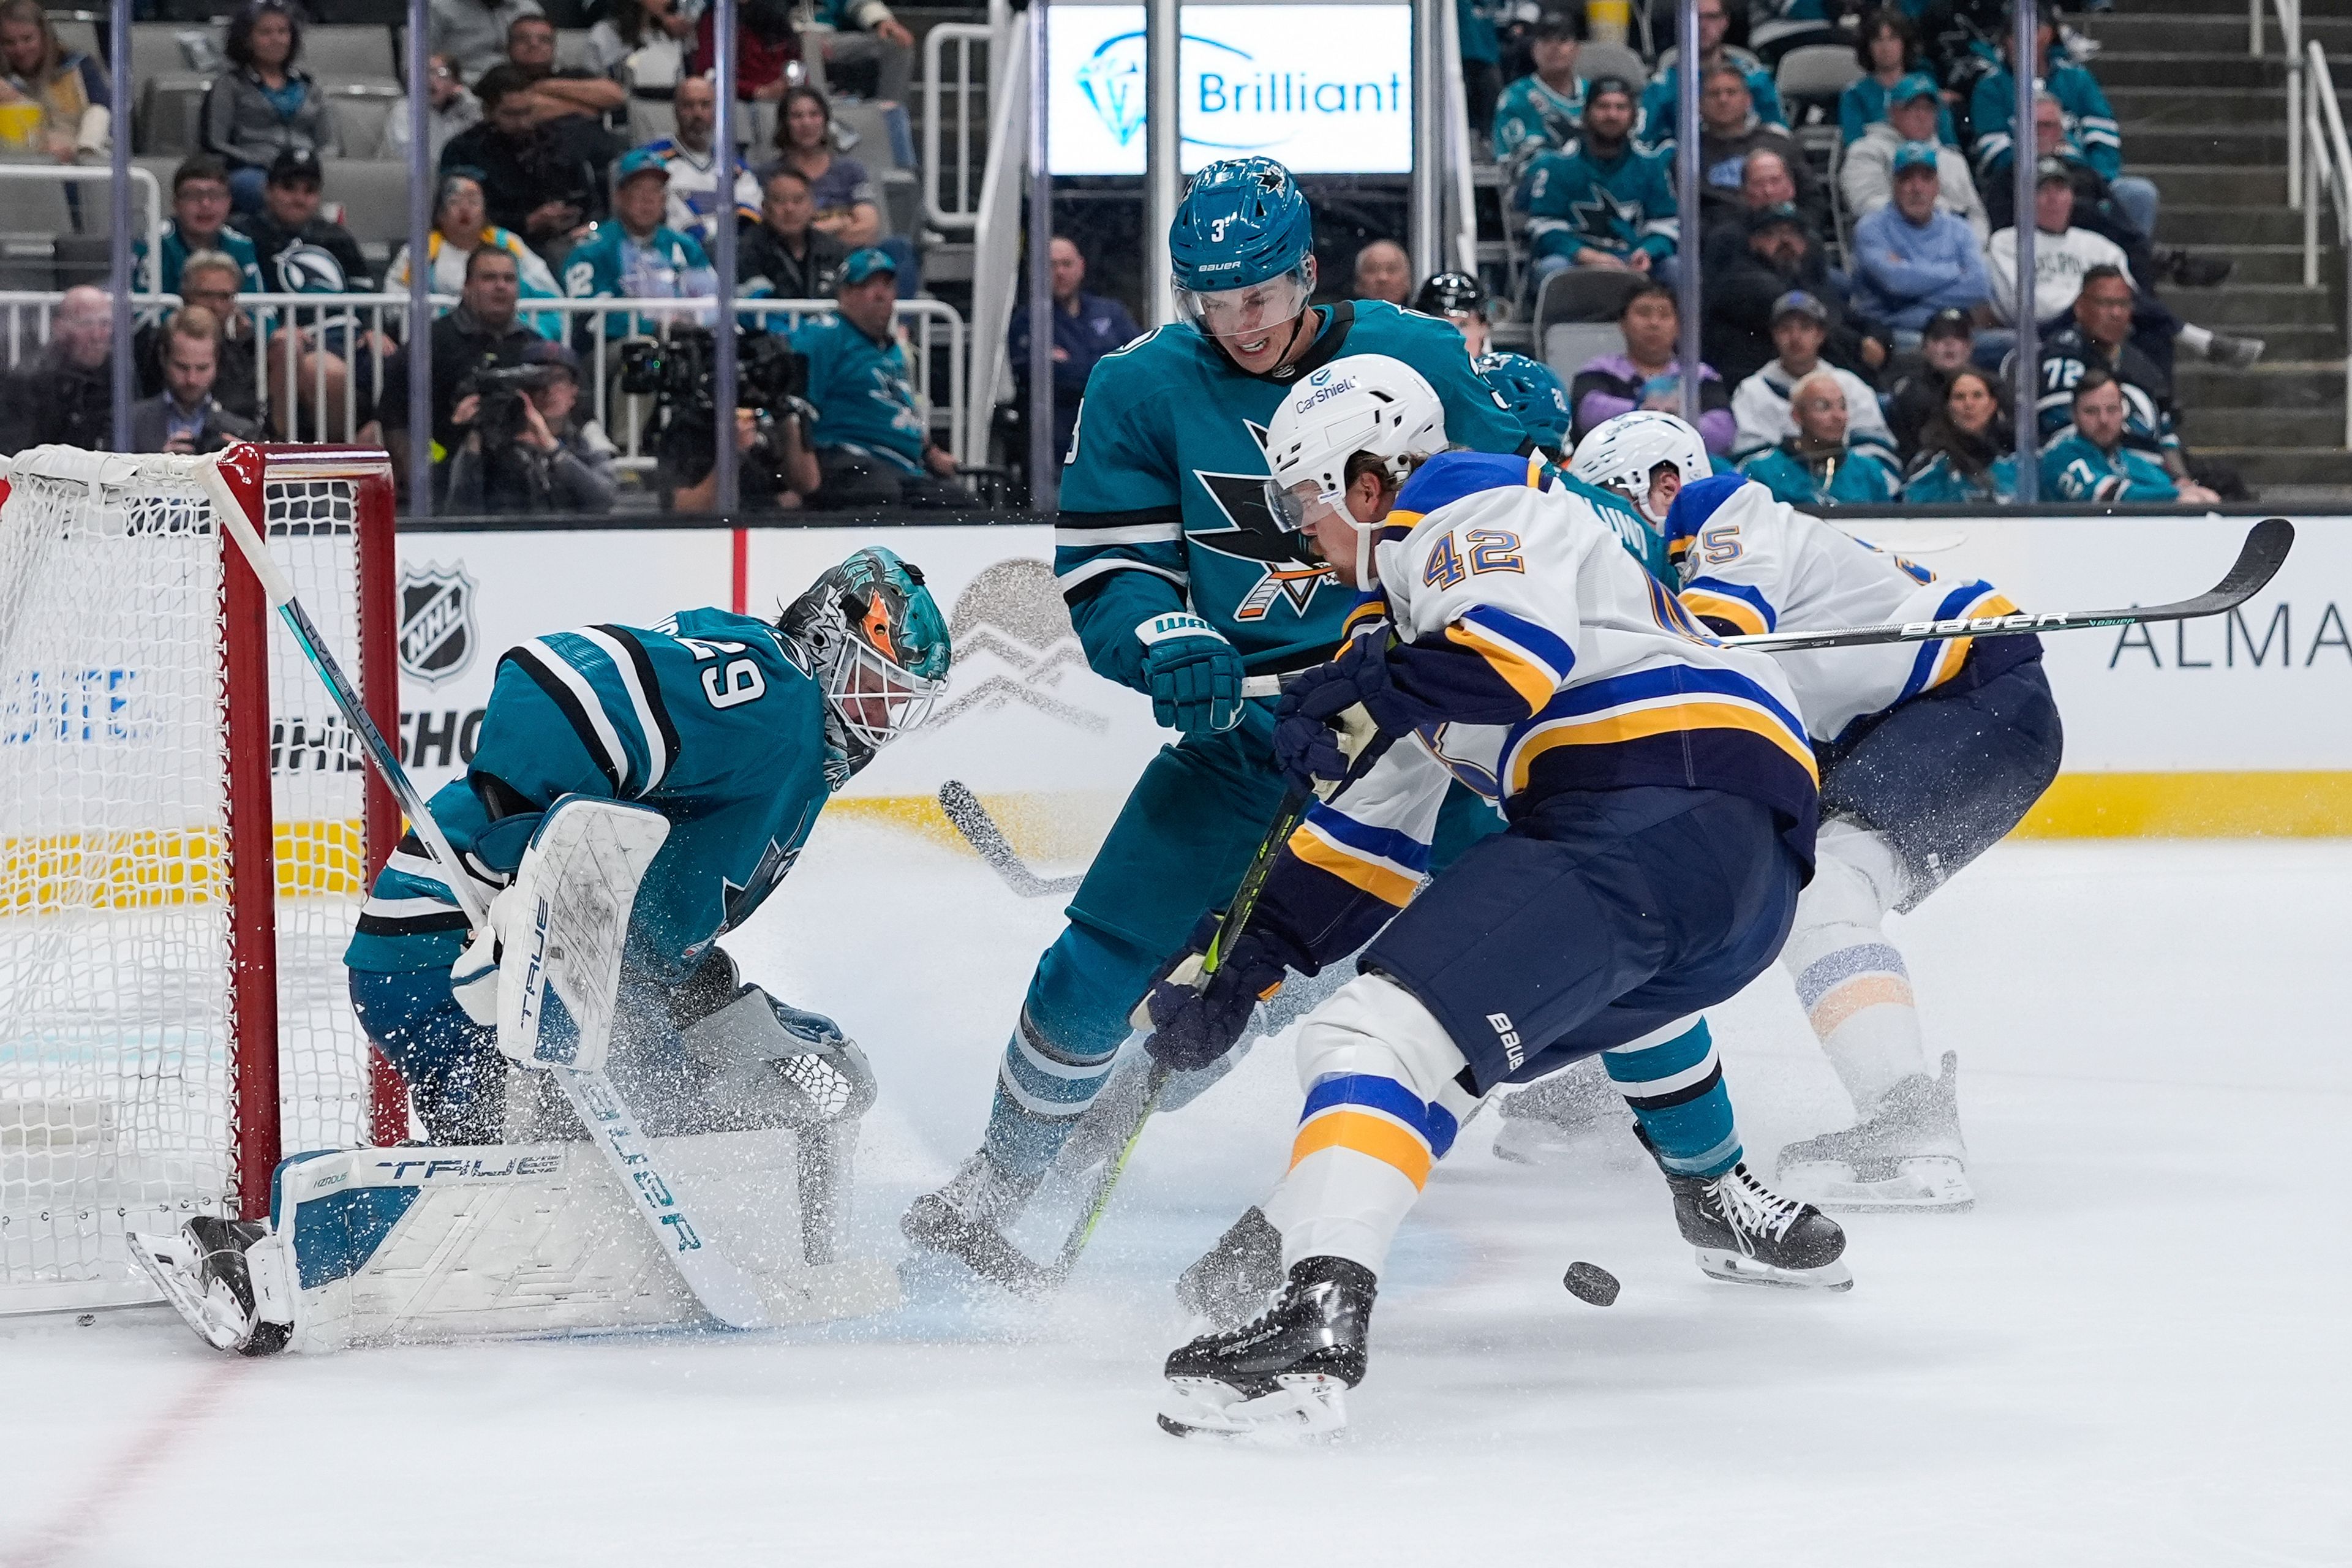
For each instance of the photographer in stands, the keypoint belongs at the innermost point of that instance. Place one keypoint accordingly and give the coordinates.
(523, 450)
(771, 415)
(873, 442)
(184, 417)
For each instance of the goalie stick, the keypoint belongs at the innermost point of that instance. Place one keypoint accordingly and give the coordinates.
(2259, 559)
(971, 819)
(722, 1288)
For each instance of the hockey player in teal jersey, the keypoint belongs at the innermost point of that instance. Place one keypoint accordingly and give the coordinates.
(1179, 584)
(737, 730)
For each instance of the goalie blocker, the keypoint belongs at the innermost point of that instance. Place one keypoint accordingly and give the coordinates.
(635, 793)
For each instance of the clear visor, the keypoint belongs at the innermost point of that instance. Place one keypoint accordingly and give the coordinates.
(1244, 312)
(1298, 508)
(877, 700)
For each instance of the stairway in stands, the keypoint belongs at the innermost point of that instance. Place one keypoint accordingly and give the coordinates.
(2207, 122)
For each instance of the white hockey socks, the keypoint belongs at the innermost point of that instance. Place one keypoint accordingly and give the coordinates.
(1855, 989)
(1382, 1105)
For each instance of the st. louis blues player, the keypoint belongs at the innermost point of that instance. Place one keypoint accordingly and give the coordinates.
(1661, 797)
(1179, 583)
(735, 728)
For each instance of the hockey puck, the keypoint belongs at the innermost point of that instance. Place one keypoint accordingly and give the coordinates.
(1590, 1283)
(87, 1320)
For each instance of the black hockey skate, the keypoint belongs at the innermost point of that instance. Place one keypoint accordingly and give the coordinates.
(962, 1220)
(1285, 1375)
(1749, 1233)
(1231, 1282)
(204, 1273)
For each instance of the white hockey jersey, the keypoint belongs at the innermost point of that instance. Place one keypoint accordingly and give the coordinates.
(1751, 564)
(1538, 657)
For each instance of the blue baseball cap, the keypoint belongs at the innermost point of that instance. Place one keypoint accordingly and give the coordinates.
(1912, 88)
(863, 264)
(1915, 155)
(638, 161)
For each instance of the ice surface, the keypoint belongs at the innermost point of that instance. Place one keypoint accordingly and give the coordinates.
(2131, 1353)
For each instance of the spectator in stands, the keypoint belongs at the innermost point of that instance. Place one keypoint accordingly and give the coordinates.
(1383, 271)
(2096, 209)
(1085, 328)
(1913, 258)
(1600, 201)
(1656, 127)
(553, 463)
(473, 33)
(1886, 45)
(641, 43)
(210, 278)
(458, 229)
(484, 330)
(767, 50)
(71, 90)
(1746, 283)
(847, 206)
(1646, 374)
(2099, 337)
(64, 395)
(302, 253)
(545, 181)
(1867, 174)
(1730, 131)
(1462, 299)
(1916, 382)
(865, 38)
(873, 447)
(184, 417)
(200, 206)
(449, 109)
(692, 158)
(1545, 109)
(1482, 62)
(1968, 453)
(557, 90)
(1815, 465)
(1992, 114)
(787, 257)
(636, 255)
(1760, 405)
(2092, 462)
(265, 103)
(2062, 255)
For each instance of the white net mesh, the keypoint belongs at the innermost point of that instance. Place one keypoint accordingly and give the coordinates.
(118, 1108)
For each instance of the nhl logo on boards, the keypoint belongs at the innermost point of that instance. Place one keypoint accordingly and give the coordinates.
(436, 623)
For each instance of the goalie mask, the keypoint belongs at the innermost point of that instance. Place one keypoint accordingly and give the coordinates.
(877, 647)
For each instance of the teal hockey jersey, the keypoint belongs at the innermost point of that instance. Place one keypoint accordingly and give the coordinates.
(708, 718)
(1163, 493)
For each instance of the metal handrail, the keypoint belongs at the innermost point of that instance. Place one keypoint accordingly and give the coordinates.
(931, 323)
(962, 212)
(2329, 145)
(2290, 15)
(142, 180)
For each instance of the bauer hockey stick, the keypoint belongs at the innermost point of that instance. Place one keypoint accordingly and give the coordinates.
(725, 1292)
(971, 818)
(2259, 559)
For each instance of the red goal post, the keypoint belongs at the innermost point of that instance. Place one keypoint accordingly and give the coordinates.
(188, 829)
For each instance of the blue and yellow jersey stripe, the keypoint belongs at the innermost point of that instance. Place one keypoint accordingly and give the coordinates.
(1734, 604)
(1531, 661)
(1937, 662)
(1381, 861)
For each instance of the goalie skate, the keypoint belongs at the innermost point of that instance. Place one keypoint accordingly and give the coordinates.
(1907, 1156)
(205, 1273)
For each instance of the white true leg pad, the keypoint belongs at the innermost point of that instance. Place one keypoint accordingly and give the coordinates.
(1854, 986)
(1383, 1105)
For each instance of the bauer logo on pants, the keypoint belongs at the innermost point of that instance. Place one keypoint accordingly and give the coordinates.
(436, 623)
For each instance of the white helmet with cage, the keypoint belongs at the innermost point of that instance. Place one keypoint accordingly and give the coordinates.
(1367, 404)
(1620, 455)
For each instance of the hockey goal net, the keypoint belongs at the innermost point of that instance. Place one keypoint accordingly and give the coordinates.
(187, 830)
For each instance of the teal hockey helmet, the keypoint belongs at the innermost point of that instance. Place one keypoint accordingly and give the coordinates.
(1534, 394)
(1243, 229)
(878, 645)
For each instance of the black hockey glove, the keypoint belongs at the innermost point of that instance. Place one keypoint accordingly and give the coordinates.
(1316, 745)
(1196, 1019)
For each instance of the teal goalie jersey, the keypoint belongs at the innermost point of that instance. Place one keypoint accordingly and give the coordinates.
(708, 718)
(1163, 503)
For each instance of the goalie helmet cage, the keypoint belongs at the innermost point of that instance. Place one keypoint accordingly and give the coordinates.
(187, 831)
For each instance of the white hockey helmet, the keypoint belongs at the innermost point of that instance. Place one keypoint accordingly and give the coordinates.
(1367, 403)
(1620, 455)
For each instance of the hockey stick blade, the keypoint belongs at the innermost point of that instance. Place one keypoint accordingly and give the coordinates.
(971, 819)
(2259, 559)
